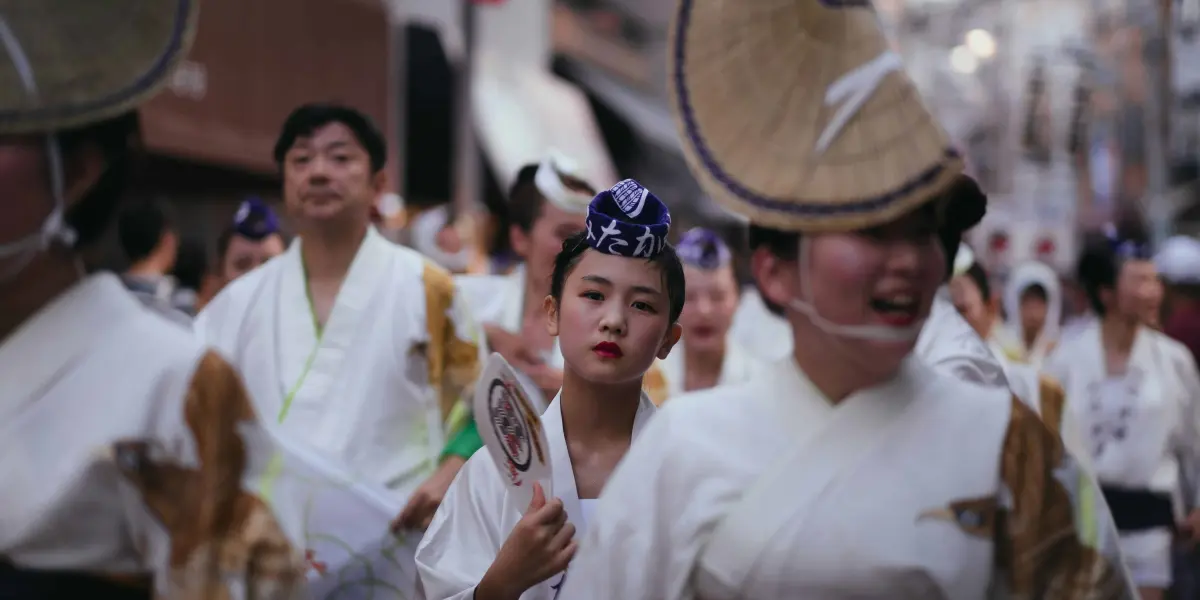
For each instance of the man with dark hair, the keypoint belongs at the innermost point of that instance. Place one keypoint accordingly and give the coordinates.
(148, 238)
(131, 454)
(355, 345)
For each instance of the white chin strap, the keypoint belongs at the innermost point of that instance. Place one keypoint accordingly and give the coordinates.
(15, 256)
(877, 333)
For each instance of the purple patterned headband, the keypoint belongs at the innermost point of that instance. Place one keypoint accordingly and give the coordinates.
(628, 220)
(704, 249)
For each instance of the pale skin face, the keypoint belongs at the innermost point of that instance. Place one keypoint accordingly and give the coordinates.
(712, 299)
(245, 255)
(542, 242)
(1138, 292)
(327, 178)
(848, 274)
(612, 300)
(978, 311)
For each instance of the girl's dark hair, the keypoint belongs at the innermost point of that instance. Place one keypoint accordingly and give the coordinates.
(1099, 267)
(667, 261)
(117, 140)
(525, 202)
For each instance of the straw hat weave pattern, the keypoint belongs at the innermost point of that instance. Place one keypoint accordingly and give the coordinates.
(797, 114)
(67, 63)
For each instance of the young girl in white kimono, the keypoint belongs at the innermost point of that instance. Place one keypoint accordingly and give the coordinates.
(706, 356)
(1135, 392)
(616, 293)
(851, 469)
(129, 453)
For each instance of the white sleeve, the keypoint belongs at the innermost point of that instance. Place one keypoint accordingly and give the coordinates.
(652, 521)
(1189, 440)
(465, 534)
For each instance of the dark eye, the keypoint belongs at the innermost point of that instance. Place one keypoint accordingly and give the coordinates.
(644, 306)
(591, 295)
(341, 159)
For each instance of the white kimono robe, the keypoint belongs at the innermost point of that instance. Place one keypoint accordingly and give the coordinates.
(950, 345)
(129, 450)
(376, 388)
(1142, 429)
(500, 300)
(925, 487)
(738, 366)
(477, 515)
(759, 330)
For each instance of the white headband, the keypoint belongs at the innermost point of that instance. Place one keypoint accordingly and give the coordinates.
(549, 183)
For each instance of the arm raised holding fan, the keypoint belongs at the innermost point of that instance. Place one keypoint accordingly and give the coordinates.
(508, 524)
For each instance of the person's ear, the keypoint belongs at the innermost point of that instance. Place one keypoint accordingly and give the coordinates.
(550, 307)
(669, 340)
(775, 277)
(519, 240)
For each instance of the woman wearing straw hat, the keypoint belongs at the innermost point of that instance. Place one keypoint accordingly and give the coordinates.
(125, 445)
(851, 469)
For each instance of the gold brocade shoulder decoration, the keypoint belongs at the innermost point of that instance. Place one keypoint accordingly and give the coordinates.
(453, 361)
(1041, 546)
(219, 532)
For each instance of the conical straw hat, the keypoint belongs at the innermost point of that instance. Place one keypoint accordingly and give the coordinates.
(67, 63)
(797, 114)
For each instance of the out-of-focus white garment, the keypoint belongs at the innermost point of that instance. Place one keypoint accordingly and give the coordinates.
(478, 514)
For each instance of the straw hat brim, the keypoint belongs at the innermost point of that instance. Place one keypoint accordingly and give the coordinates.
(750, 86)
(68, 63)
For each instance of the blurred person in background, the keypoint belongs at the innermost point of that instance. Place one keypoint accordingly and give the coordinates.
(1033, 309)
(131, 453)
(547, 204)
(1135, 392)
(149, 240)
(191, 268)
(706, 357)
(971, 292)
(249, 242)
(357, 346)
(1179, 265)
(253, 238)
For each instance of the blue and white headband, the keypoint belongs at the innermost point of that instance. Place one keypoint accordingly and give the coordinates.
(1127, 249)
(255, 220)
(703, 248)
(627, 220)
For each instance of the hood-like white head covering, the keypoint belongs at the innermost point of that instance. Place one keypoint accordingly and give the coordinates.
(1025, 275)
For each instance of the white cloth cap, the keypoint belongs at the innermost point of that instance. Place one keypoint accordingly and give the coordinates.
(1179, 260)
(549, 183)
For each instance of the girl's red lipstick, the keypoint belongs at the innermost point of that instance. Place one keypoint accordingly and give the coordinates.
(607, 350)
